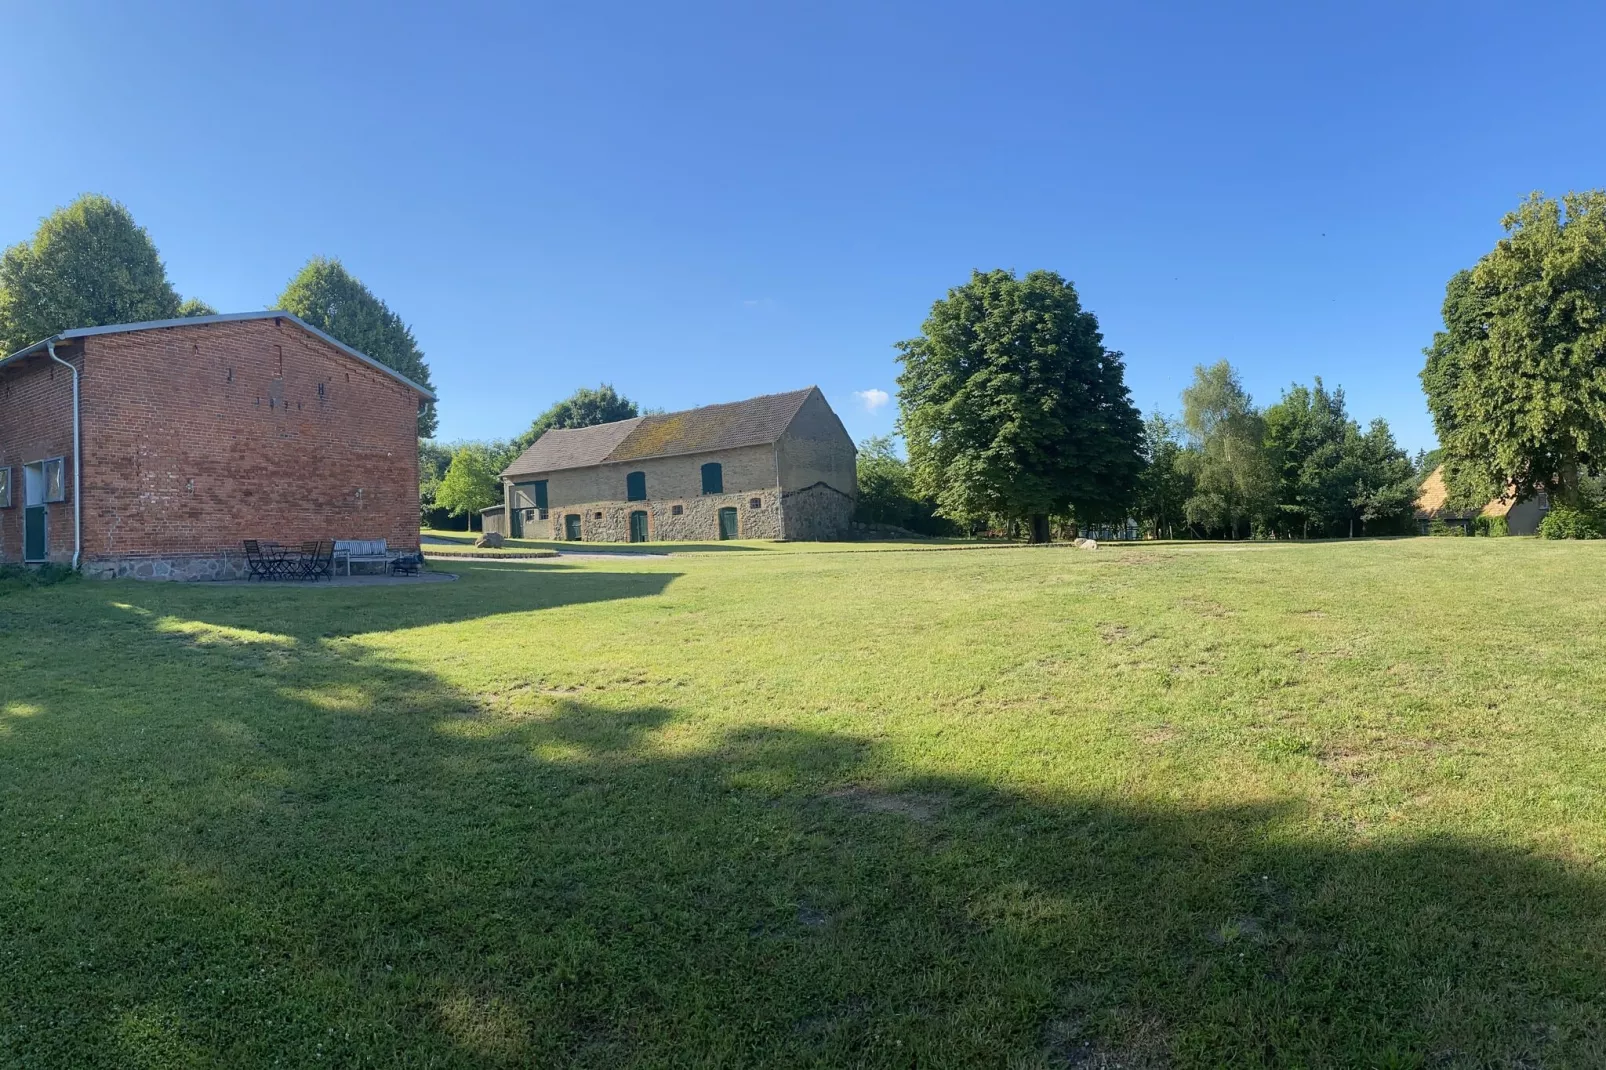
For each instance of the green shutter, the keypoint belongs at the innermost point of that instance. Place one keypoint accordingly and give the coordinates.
(713, 478)
(540, 494)
(636, 487)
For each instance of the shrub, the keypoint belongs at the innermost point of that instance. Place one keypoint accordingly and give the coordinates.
(1440, 528)
(1565, 522)
(1492, 526)
(36, 575)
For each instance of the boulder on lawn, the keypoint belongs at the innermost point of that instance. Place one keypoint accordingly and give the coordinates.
(1078, 541)
(491, 539)
(1088, 544)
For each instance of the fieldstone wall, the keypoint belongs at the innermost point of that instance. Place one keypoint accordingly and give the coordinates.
(696, 521)
(819, 513)
(215, 566)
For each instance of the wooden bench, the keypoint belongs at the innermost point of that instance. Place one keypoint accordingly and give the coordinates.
(361, 550)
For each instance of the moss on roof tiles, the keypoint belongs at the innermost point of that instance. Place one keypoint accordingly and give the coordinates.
(754, 422)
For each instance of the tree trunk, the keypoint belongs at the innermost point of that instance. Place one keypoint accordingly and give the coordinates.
(1567, 485)
(1039, 527)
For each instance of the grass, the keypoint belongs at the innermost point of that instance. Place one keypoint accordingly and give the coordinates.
(462, 542)
(1264, 806)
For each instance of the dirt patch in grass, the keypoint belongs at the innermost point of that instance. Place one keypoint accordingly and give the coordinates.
(812, 917)
(920, 808)
(1159, 734)
(1072, 1042)
(1207, 607)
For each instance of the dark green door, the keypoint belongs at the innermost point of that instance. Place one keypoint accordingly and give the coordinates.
(571, 527)
(638, 526)
(727, 523)
(34, 527)
(33, 533)
(515, 522)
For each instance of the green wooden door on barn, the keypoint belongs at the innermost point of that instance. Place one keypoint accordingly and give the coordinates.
(638, 526)
(727, 523)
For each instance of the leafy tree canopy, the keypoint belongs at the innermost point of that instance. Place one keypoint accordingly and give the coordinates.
(194, 306)
(887, 492)
(1012, 405)
(583, 408)
(470, 484)
(333, 300)
(1516, 381)
(89, 264)
(1166, 483)
(1235, 482)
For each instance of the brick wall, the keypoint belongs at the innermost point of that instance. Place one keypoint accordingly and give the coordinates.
(35, 425)
(199, 436)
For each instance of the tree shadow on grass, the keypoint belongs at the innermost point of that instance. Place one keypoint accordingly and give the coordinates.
(261, 860)
(484, 589)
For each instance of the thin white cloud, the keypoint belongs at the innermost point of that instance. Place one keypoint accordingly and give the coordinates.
(872, 399)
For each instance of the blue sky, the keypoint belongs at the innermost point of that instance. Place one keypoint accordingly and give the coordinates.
(703, 202)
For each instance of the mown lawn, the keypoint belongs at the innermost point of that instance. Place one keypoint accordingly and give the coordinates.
(449, 543)
(1314, 805)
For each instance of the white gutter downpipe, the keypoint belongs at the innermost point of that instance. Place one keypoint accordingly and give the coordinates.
(77, 469)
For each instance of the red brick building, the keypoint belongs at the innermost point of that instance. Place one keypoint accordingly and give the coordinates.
(195, 434)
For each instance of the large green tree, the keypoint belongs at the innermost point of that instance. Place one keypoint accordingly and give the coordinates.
(583, 408)
(1013, 406)
(89, 264)
(1305, 433)
(1516, 381)
(887, 493)
(1235, 481)
(1384, 485)
(1166, 483)
(336, 302)
(470, 484)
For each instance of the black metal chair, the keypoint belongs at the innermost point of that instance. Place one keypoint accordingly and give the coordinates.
(323, 562)
(260, 563)
(317, 561)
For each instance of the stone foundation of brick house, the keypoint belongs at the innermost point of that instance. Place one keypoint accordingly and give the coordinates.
(221, 565)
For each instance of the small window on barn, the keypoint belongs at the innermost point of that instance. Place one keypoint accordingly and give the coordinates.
(713, 478)
(676, 510)
(755, 503)
(5, 488)
(598, 516)
(636, 487)
(55, 471)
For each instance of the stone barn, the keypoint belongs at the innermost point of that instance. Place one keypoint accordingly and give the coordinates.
(780, 466)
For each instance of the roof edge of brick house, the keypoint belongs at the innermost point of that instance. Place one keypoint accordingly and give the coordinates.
(225, 317)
